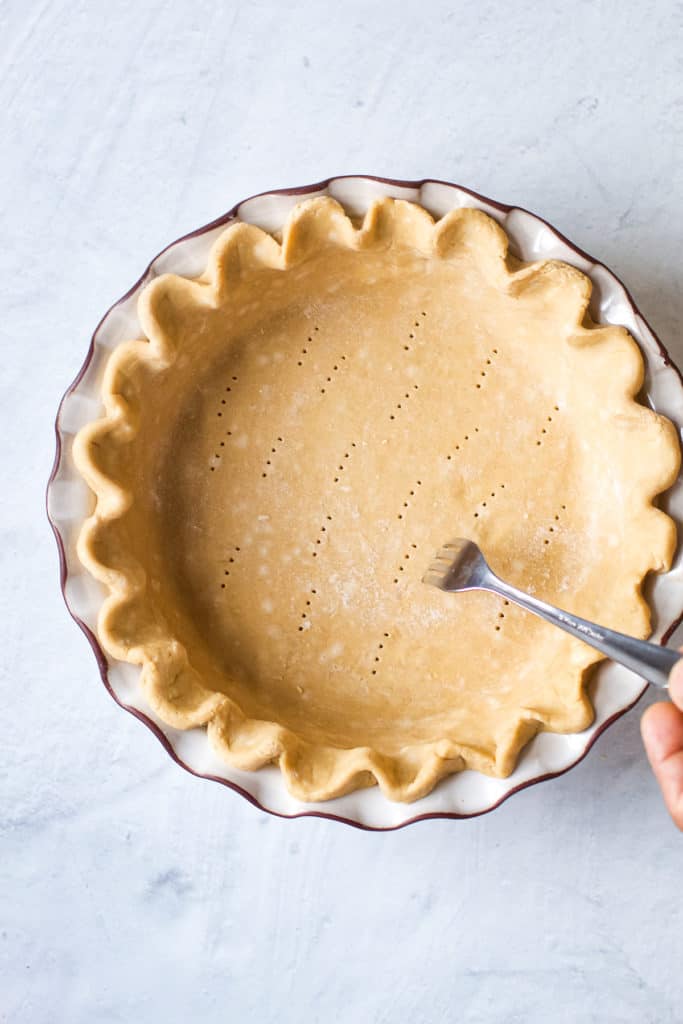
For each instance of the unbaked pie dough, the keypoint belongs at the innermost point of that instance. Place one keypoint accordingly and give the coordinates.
(297, 433)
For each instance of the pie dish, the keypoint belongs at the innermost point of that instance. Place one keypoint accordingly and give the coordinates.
(70, 501)
(301, 426)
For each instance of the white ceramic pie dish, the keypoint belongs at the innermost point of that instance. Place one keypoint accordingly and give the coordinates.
(614, 690)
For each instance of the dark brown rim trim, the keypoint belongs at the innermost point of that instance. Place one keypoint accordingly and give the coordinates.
(92, 639)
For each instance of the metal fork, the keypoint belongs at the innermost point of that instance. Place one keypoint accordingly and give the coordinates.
(461, 566)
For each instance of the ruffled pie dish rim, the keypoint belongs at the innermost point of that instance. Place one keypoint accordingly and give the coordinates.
(532, 239)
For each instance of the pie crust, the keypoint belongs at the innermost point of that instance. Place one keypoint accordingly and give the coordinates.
(302, 427)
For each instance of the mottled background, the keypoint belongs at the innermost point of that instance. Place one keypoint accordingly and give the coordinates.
(130, 891)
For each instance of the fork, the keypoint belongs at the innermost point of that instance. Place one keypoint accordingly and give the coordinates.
(460, 566)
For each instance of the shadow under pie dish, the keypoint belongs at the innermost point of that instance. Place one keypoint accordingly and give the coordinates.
(301, 427)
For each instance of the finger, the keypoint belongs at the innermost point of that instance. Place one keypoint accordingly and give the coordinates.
(676, 684)
(662, 731)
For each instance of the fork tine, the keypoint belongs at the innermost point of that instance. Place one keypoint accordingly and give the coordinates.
(434, 579)
(445, 553)
(441, 564)
(449, 551)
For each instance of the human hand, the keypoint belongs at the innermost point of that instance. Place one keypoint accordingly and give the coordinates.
(662, 731)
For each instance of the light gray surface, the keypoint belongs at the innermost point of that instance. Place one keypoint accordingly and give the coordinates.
(128, 890)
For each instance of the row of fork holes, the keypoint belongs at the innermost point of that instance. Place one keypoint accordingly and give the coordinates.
(484, 504)
(304, 351)
(406, 348)
(378, 656)
(483, 373)
(269, 462)
(466, 437)
(219, 414)
(544, 430)
(399, 405)
(341, 466)
(406, 558)
(300, 362)
(304, 615)
(411, 334)
(231, 561)
(551, 529)
(324, 529)
(501, 615)
(319, 538)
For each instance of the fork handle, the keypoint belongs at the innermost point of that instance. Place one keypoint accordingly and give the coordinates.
(650, 661)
